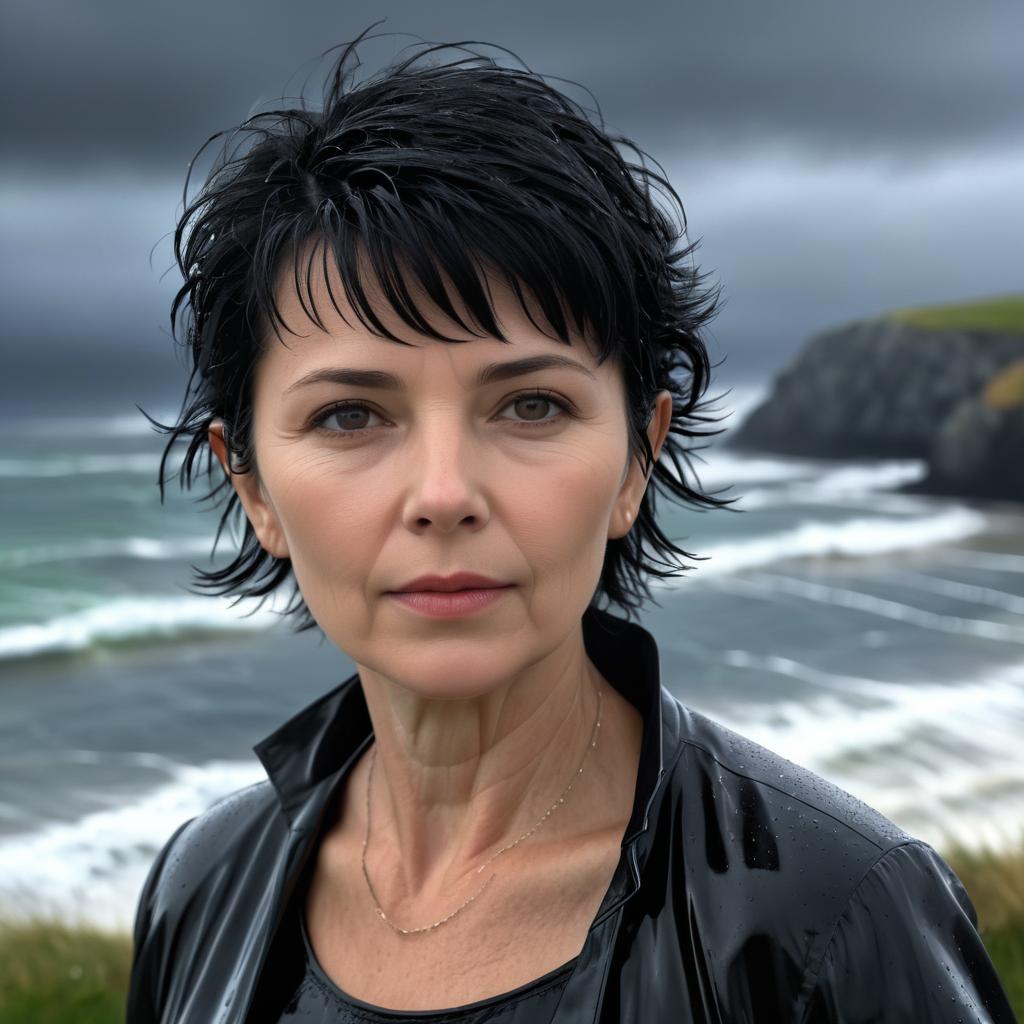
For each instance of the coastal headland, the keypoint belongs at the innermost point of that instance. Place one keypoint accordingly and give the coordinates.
(944, 384)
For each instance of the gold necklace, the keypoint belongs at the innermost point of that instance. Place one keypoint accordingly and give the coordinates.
(561, 799)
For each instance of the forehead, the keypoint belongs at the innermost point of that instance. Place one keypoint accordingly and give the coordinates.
(320, 323)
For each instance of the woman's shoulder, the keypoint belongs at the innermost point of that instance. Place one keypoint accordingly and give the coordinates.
(203, 846)
(790, 845)
(825, 896)
(771, 792)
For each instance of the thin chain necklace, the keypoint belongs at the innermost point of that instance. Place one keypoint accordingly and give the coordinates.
(561, 799)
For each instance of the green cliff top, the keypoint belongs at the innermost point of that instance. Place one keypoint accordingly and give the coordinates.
(1003, 314)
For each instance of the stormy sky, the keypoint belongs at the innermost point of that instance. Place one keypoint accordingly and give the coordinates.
(835, 160)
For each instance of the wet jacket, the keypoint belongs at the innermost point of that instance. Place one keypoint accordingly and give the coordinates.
(748, 888)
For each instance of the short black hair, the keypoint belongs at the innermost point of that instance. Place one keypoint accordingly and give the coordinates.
(468, 167)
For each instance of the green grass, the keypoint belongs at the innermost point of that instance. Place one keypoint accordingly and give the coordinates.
(995, 883)
(51, 973)
(1002, 314)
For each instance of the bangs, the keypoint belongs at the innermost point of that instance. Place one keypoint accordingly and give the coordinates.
(418, 257)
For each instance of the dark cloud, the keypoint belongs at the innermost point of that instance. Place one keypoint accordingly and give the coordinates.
(145, 84)
(836, 160)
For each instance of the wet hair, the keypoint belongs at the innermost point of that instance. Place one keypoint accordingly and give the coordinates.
(462, 166)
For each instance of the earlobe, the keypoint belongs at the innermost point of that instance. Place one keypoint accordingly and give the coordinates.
(256, 505)
(622, 523)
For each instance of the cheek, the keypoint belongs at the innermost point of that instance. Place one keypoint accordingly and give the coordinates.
(334, 526)
(561, 522)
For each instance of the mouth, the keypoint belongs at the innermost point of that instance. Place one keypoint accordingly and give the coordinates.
(450, 604)
(457, 581)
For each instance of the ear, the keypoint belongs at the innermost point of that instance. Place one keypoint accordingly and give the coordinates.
(631, 493)
(258, 508)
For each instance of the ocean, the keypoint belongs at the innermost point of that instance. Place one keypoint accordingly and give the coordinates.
(874, 637)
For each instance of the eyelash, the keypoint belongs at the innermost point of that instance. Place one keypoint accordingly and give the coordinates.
(317, 423)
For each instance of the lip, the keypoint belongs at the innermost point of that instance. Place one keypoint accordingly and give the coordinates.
(453, 604)
(447, 584)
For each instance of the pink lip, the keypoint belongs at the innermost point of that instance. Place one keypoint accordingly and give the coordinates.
(457, 581)
(451, 605)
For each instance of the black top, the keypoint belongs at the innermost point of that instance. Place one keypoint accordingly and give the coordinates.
(318, 1000)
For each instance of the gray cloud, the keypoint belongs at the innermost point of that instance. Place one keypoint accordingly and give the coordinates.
(144, 85)
(836, 159)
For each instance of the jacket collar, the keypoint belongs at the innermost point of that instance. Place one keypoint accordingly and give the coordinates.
(307, 757)
(307, 754)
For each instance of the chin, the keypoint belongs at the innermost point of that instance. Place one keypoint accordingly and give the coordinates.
(461, 670)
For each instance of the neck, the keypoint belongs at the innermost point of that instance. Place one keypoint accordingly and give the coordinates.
(455, 780)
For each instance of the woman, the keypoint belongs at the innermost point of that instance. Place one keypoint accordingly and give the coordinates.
(435, 331)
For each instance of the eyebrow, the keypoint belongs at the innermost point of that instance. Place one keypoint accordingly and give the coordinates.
(488, 375)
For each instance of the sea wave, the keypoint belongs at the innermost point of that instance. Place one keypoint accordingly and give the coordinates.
(122, 425)
(858, 537)
(941, 760)
(139, 618)
(92, 869)
(132, 619)
(145, 548)
(779, 480)
(999, 561)
(768, 587)
(847, 485)
(77, 465)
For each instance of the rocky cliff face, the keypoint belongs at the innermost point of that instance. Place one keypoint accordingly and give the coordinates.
(884, 389)
(979, 451)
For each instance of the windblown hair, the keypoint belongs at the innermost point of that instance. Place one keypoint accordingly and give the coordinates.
(465, 167)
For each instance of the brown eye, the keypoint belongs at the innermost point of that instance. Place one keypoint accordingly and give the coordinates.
(348, 418)
(533, 408)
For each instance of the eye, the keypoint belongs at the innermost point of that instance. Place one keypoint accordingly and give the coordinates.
(351, 416)
(530, 402)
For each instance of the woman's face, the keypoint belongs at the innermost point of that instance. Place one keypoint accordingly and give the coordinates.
(454, 466)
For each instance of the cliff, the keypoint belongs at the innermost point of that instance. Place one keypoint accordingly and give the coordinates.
(944, 384)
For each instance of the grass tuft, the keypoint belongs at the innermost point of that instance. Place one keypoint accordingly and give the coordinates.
(52, 973)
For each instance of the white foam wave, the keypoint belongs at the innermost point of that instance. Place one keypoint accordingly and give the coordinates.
(132, 424)
(131, 618)
(768, 586)
(941, 760)
(845, 485)
(146, 548)
(93, 869)
(859, 537)
(76, 465)
(725, 467)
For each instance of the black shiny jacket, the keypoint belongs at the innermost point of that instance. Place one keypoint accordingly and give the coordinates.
(748, 889)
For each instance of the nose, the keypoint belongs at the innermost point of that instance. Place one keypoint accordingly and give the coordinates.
(444, 484)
